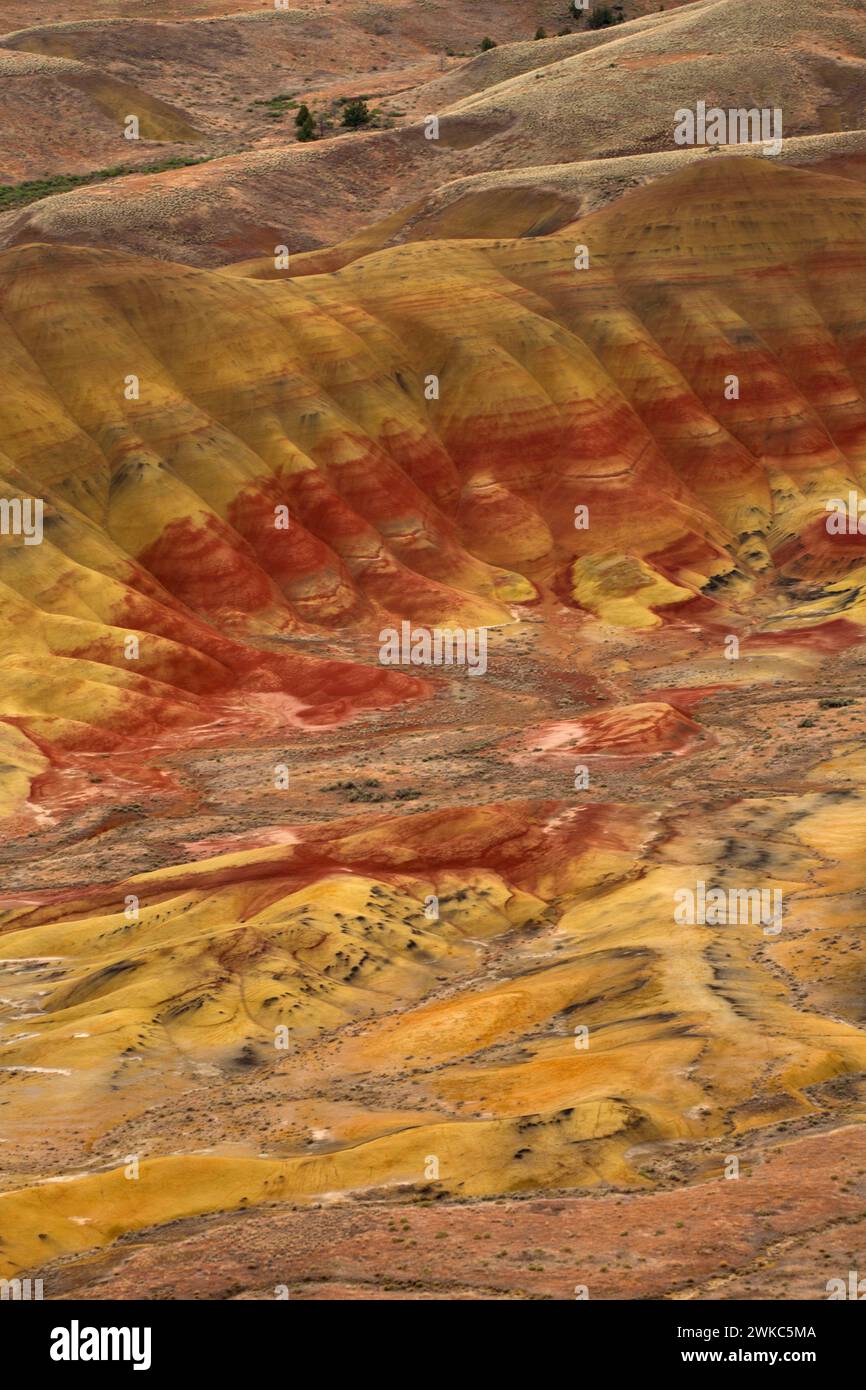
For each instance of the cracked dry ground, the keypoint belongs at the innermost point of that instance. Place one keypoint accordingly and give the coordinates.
(413, 1043)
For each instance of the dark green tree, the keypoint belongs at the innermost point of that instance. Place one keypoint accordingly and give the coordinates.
(603, 15)
(306, 129)
(356, 113)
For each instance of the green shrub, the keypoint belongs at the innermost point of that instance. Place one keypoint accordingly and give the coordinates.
(16, 195)
(487, 44)
(356, 113)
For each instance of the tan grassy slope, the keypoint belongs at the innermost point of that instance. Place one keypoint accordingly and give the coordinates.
(621, 97)
(499, 65)
(58, 112)
(613, 99)
(220, 70)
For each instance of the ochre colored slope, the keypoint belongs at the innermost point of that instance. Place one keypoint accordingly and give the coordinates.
(763, 1236)
(550, 924)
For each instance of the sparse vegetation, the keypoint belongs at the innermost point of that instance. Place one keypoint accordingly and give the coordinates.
(13, 195)
(275, 107)
(605, 15)
(487, 43)
(540, 33)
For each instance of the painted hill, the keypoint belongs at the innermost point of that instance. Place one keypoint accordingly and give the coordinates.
(574, 415)
(303, 954)
(321, 1036)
